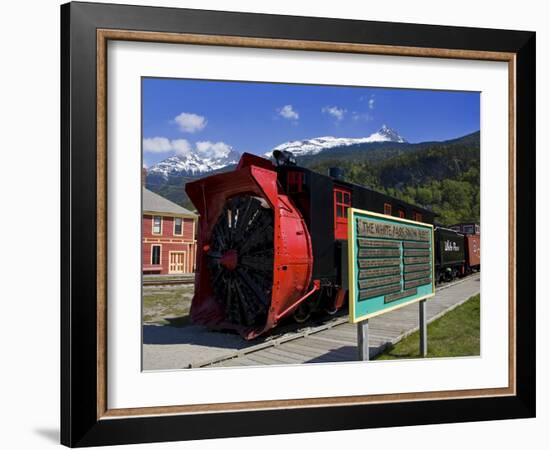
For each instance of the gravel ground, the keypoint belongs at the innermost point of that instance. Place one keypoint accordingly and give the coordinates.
(167, 305)
(166, 347)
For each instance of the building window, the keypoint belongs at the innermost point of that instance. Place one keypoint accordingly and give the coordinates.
(178, 226)
(418, 216)
(401, 213)
(468, 229)
(477, 229)
(387, 209)
(157, 224)
(155, 255)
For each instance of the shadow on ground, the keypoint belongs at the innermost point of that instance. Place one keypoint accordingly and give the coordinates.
(192, 335)
(182, 331)
(50, 434)
(346, 353)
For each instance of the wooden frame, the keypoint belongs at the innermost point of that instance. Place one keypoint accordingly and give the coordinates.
(85, 417)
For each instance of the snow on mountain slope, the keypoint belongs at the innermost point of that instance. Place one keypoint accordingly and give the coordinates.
(317, 145)
(192, 164)
(196, 163)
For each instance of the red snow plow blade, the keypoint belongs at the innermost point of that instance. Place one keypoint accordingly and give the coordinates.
(254, 257)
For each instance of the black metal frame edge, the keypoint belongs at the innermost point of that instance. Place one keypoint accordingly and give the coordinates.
(79, 426)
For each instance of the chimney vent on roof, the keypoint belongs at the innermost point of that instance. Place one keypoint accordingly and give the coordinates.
(336, 172)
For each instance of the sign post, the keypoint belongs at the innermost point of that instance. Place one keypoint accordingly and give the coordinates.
(390, 265)
(363, 340)
(423, 327)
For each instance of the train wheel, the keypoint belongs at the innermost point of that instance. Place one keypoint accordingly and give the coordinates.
(302, 313)
(328, 300)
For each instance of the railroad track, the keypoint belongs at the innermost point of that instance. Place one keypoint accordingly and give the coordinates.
(291, 333)
(175, 281)
(191, 280)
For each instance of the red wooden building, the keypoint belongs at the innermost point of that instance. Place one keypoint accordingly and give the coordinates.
(168, 236)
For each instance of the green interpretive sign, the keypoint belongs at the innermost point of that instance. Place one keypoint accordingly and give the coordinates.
(391, 263)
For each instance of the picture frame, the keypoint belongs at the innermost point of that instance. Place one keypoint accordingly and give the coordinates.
(86, 419)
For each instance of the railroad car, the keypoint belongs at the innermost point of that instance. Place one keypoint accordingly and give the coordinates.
(450, 254)
(272, 242)
(473, 257)
(466, 228)
(472, 236)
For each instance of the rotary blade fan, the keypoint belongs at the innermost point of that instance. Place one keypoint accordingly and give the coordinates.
(240, 259)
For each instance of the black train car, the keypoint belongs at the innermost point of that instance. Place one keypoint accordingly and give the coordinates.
(450, 255)
(466, 228)
(324, 200)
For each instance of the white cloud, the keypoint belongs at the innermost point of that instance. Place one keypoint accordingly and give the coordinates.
(370, 100)
(334, 111)
(156, 145)
(371, 103)
(164, 145)
(209, 149)
(189, 122)
(182, 147)
(361, 116)
(288, 113)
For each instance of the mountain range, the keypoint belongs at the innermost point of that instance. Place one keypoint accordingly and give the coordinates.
(309, 147)
(192, 164)
(169, 176)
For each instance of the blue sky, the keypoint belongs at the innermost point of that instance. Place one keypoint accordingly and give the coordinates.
(185, 115)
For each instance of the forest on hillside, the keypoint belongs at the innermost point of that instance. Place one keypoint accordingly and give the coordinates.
(442, 179)
(440, 176)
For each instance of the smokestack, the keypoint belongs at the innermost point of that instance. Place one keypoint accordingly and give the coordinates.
(284, 158)
(336, 172)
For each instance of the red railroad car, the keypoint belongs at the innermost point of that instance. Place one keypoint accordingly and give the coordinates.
(472, 241)
(473, 256)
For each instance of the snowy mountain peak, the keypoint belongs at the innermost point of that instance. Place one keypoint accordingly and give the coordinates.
(387, 134)
(317, 145)
(207, 156)
(192, 164)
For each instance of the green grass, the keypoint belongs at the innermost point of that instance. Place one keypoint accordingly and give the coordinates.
(168, 305)
(454, 334)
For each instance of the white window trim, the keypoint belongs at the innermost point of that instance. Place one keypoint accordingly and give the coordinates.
(182, 225)
(160, 255)
(153, 225)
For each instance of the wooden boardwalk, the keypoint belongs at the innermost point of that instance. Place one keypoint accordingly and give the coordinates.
(339, 342)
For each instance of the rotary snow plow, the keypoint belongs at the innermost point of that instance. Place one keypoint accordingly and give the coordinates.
(254, 259)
